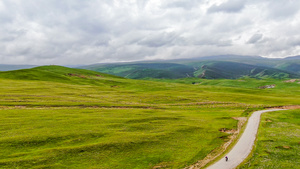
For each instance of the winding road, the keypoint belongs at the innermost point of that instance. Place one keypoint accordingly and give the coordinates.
(244, 146)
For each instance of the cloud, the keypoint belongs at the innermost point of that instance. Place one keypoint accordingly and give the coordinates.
(283, 9)
(159, 39)
(230, 6)
(183, 4)
(87, 32)
(255, 38)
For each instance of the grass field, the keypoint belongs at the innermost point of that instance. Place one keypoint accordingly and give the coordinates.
(56, 117)
(278, 144)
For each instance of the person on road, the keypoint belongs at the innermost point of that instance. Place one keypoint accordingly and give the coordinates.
(226, 158)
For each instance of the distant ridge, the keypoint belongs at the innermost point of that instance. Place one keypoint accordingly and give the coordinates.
(211, 67)
(6, 67)
(292, 58)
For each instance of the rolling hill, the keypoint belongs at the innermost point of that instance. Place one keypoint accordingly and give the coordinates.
(56, 74)
(214, 67)
(58, 117)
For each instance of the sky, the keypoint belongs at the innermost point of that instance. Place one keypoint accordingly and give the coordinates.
(72, 32)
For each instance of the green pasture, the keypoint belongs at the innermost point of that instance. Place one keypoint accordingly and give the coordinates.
(278, 144)
(56, 117)
(110, 138)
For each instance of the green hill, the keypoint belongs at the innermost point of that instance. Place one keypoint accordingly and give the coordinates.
(57, 74)
(57, 117)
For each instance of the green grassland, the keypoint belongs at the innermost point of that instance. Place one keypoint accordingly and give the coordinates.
(278, 143)
(281, 86)
(57, 117)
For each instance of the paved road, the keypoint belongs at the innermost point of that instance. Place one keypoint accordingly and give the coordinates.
(244, 146)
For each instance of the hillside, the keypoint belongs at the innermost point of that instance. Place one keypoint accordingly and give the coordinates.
(57, 74)
(217, 67)
(233, 70)
(57, 117)
(290, 66)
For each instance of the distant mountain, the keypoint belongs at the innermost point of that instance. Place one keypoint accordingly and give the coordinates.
(252, 60)
(234, 70)
(145, 70)
(5, 67)
(292, 58)
(214, 67)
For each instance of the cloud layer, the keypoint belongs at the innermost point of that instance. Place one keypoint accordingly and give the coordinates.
(87, 32)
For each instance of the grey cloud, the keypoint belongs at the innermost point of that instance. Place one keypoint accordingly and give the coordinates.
(230, 6)
(86, 32)
(255, 38)
(283, 8)
(212, 41)
(295, 41)
(158, 39)
(184, 4)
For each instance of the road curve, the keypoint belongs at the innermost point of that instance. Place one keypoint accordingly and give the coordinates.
(244, 146)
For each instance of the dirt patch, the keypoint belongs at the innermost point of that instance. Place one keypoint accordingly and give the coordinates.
(229, 131)
(161, 165)
(286, 107)
(286, 147)
(283, 147)
(217, 152)
(20, 107)
(267, 86)
(77, 75)
(268, 120)
(3, 107)
(292, 80)
(114, 86)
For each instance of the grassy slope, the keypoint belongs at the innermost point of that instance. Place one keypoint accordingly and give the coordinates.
(278, 143)
(94, 120)
(242, 85)
(292, 67)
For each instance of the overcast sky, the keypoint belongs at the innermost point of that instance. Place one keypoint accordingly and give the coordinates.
(94, 31)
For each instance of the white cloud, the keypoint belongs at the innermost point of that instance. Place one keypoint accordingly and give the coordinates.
(86, 32)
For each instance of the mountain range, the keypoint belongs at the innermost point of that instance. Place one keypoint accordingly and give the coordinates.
(212, 67)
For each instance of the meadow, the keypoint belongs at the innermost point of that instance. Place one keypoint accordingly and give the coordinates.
(56, 117)
(278, 143)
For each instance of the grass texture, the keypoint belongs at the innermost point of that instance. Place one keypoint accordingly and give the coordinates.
(278, 143)
(56, 117)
